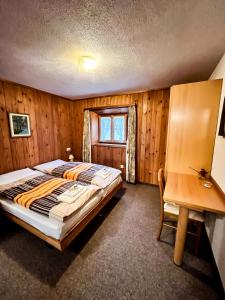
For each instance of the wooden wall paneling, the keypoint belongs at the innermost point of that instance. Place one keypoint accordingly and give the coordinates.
(192, 126)
(62, 126)
(157, 136)
(123, 162)
(139, 102)
(94, 154)
(152, 117)
(100, 155)
(116, 158)
(77, 127)
(119, 158)
(32, 142)
(155, 123)
(150, 129)
(105, 155)
(57, 127)
(67, 120)
(57, 123)
(44, 117)
(142, 132)
(6, 164)
(70, 124)
(149, 142)
(51, 120)
(19, 146)
(109, 156)
(164, 128)
(94, 128)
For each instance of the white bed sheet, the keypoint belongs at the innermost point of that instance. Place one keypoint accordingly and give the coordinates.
(52, 227)
(17, 175)
(48, 166)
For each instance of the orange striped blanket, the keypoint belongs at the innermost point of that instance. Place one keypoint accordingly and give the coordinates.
(74, 172)
(27, 198)
(87, 173)
(45, 194)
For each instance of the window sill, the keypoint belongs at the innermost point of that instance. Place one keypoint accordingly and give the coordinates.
(110, 145)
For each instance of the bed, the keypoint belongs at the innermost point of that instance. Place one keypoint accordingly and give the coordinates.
(58, 233)
(88, 173)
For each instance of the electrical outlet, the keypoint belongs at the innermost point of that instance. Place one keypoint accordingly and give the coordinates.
(121, 166)
(68, 149)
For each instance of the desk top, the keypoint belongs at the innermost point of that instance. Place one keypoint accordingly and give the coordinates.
(187, 190)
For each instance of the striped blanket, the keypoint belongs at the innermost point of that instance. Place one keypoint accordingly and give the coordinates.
(88, 173)
(49, 195)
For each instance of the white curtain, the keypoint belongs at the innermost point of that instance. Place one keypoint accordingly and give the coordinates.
(131, 145)
(87, 137)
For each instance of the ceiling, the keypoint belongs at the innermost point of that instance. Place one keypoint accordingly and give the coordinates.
(138, 45)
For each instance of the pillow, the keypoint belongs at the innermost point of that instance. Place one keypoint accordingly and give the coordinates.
(49, 166)
(17, 175)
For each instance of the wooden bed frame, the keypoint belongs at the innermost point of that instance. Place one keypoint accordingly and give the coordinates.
(74, 231)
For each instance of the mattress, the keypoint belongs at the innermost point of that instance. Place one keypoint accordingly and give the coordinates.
(52, 227)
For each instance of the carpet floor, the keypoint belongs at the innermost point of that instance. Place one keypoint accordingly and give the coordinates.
(116, 257)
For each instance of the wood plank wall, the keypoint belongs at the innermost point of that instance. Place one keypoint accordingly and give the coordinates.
(112, 156)
(57, 123)
(152, 118)
(50, 124)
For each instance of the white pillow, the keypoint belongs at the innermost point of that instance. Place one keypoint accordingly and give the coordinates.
(17, 175)
(49, 166)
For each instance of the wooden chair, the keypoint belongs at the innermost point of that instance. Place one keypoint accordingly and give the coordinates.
(169, 213)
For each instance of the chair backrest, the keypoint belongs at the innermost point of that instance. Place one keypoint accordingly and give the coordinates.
(162, 183)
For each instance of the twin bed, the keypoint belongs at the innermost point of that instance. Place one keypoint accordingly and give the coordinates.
(56, 200)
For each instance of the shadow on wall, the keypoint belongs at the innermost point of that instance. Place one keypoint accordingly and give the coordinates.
(43, 261)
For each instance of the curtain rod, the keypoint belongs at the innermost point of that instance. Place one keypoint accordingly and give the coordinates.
(112, 106)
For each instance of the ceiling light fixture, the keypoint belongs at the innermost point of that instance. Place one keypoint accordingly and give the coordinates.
(88, 63)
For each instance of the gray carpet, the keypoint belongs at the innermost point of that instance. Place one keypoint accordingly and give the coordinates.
(115, 257)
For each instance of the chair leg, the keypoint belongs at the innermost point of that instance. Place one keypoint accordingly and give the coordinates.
(160, 230)
(198, 238)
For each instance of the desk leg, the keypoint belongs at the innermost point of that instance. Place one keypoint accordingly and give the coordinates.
(181, 235)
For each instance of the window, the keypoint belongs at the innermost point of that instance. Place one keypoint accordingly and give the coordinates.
(112, 129)
(105, 129)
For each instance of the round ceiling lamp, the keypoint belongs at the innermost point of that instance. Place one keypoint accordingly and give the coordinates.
(88, 63)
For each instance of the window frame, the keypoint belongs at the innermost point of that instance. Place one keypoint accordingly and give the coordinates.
(112, 141)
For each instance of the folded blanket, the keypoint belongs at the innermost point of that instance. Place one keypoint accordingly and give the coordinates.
(104, 173)
(44, 194)
(88, 173)
(72, 194)
(64, 210)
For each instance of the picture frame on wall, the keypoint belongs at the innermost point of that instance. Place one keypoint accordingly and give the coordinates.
(19, 125)
(222, 122)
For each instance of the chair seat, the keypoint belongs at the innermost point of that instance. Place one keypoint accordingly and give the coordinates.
(174, 210)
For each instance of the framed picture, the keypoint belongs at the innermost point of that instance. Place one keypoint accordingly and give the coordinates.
(222, 122)
(19, 125)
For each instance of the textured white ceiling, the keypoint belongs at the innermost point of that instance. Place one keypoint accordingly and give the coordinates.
(138, 45)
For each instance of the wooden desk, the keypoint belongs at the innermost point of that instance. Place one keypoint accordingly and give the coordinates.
(188, 192)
